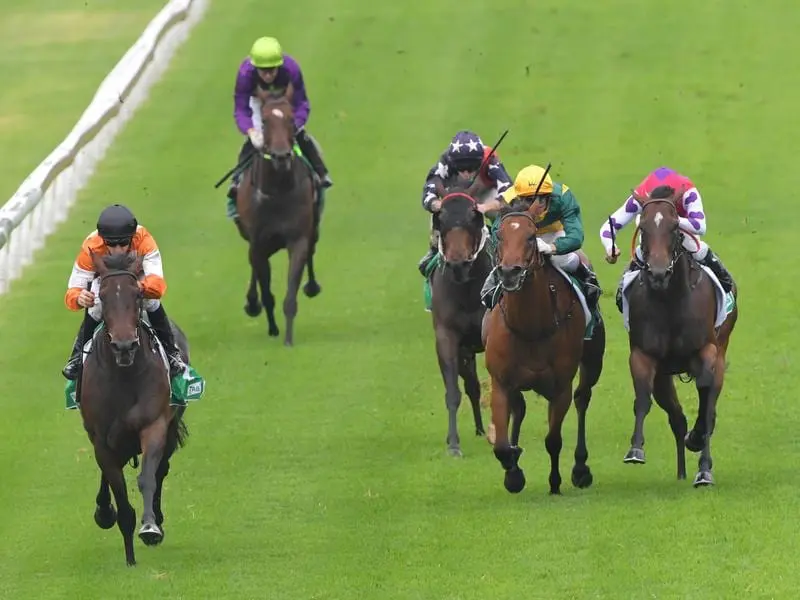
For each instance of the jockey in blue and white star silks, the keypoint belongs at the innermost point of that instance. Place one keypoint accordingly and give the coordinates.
(462, 159)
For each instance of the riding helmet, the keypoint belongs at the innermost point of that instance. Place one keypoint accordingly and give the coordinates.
(116, 224)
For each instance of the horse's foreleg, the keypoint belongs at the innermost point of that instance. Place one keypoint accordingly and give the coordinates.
(507, 454)
(111, 468)
(709, 381)
(259, 258)
(298, 253)
(516, 402)
(252, 308)
(472, 387)
(557, 408)
(153, 440)
(447, 355)
(643, 371)
(104, 514)
(667, 398)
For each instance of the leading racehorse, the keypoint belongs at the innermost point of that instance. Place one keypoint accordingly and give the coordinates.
(124, 396)
(674, 309)
(534, 340)
(279, 208)
(456, 299)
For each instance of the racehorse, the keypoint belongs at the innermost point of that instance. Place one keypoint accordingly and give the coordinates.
(456, 307)
(672, 315)
(124, 397)
(278, 208)
(534, 340)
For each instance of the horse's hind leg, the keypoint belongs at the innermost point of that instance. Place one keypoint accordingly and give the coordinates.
(518, 412)
(507, 454)
(153, 440)
(126, 515)
(556, 411)
(262, 271)
(709, 381)
(667, 398)
(298, 253)
(447, 353)
(472, 387)
(643, 371)
(252, 308)
(104, 514)
(590, 369)
(312, 287)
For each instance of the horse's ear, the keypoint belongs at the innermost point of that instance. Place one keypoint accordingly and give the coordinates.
(439, 187)
(99, 266)
(536, 209)
(289, 94)
(639, 197)
(476, 188)
(678, 195)
(136, 265)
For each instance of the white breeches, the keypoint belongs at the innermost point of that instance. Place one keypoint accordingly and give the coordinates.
(689, 243)
(96, 311)
(567, 262)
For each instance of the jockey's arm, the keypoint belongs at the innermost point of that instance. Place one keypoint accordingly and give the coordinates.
(242, 113)
(438, 172)
(621, 217)
(695, 219)
(153, 285)
(80, 279)
(300, 103)
(572, 239)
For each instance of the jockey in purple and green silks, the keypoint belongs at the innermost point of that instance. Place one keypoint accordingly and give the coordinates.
(269, 68)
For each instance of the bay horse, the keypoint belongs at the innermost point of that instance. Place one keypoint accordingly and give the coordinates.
(278, 209)
(534, 340)
(673, 319)
(124, 398)
(457, 311)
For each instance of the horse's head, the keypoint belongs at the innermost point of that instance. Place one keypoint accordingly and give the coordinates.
(661, 238)
(279, 131)
(121, 299)
(517, 246)
(462, 234)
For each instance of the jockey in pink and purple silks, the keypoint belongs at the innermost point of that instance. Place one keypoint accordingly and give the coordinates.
(692, 219)
(269, 68)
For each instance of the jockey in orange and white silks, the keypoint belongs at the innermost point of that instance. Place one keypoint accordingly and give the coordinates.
(118, 232)
(692, 220)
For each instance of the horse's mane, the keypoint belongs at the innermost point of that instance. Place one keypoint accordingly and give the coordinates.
(662, 192)
(522, 204)
(119, 262)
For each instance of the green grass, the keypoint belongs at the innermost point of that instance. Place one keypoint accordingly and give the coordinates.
(320, 471)
(53, 56)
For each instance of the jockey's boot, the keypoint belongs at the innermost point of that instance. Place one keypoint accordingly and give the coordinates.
(633, 265)
(309, 149)
(713, 262)
(423, 263)
(160, 323)
(590, 284)
(490, 290)
(75, 361)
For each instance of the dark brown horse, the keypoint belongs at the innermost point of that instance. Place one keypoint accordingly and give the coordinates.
(672, 313)
(456, 308)
(277, 200)
(534, 341)
(124, 393)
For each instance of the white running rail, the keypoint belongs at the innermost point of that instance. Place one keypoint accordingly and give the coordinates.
(44, 198)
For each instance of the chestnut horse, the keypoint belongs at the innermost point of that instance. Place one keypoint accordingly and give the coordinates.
(672, 318)
(277, 203)
(535, 341)
(456, 309)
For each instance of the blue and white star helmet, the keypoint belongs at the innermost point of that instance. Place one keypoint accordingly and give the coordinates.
(466, 151)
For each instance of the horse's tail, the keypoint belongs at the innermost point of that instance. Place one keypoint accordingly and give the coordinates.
(182, 432)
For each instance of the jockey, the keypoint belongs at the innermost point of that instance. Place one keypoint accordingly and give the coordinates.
(463, 158)
(118, 232)
(559, 231)
(692, 219)
(269, 68)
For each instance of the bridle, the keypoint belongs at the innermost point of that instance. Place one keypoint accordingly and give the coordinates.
(676, 241)
(484, 230)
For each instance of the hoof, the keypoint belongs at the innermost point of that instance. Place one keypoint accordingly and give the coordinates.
(151, 534)
(252, 310)
(273, 331)
(582, 477)
(703, 478)
(635, 456)
(131, 562)
(514, 480)
(693, 441)
(105, 518)
(288, 343)
(311, 289)
(479, 432)
(455, 452)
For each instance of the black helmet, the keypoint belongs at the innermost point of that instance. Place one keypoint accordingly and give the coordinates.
(116, 224)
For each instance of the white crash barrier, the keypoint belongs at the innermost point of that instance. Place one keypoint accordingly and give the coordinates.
(45, 197)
